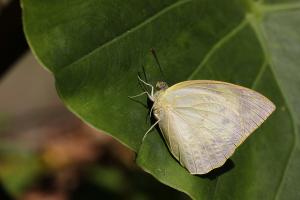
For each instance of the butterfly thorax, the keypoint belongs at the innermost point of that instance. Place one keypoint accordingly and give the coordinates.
(161, 88)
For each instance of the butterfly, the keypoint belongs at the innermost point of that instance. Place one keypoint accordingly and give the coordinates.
(204, 121)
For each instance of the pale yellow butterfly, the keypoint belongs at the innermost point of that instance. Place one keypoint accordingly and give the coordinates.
(204, 121)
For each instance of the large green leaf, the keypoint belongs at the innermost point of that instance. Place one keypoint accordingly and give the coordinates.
(95, 49)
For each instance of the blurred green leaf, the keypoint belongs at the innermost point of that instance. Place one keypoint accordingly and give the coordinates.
(18, 171)
(123, 183)
(109, 178)
(96, 48)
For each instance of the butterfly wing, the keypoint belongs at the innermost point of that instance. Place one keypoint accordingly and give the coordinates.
(204, 121)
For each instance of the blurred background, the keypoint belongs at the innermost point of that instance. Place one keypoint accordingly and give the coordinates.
(45, 151)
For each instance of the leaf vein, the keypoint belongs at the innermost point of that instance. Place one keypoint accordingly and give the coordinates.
(257, 78)
(217, 46)
(261, 37)
(131, 30)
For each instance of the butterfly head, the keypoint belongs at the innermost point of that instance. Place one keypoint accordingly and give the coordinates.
(160, 89)
(160, 85)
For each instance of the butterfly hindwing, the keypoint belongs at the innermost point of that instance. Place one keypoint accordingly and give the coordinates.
(204, 121)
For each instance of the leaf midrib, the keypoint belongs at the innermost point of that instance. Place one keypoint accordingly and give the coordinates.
(208, 56)
(261, 38)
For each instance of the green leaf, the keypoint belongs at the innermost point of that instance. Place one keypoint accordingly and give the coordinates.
(16, 179)
(96, 48)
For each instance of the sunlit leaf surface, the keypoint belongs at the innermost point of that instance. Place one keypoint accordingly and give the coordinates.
(96, 48)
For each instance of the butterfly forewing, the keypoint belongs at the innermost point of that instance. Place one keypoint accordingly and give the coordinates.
(204, 121)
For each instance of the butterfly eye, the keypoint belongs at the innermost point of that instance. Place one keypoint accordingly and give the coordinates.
(158, 112)
(160, 85)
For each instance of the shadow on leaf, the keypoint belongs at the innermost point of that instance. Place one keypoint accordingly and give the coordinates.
(215, 173)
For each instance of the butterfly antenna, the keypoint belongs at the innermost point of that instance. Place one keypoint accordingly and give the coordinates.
(157, 62)
(144, 73)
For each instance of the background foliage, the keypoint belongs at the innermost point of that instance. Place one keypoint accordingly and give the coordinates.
(96, 48)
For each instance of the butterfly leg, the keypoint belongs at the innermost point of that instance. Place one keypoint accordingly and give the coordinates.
(145, 92)
(150, 129)
(152, 88)
(131, 97)
(150, 114)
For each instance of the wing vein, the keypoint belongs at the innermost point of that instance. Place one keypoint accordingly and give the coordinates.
(209, 111)
(180, 135)
(213, 123)
(240, 95)
(183, 118)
